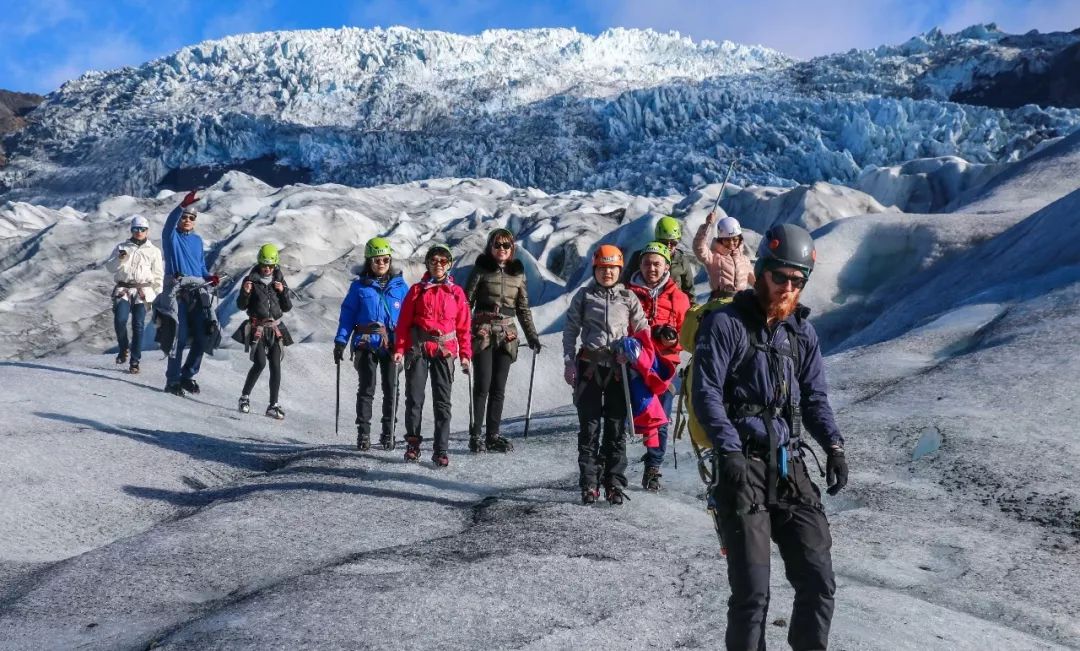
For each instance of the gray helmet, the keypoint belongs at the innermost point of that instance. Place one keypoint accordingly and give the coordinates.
(786, 245)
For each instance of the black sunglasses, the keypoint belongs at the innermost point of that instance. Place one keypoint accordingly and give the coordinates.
(505, 246)
(187, 216)
(139, 229)
(781, 278)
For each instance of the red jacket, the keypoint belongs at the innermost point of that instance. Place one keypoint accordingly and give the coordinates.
(435, 309)
(666, 306)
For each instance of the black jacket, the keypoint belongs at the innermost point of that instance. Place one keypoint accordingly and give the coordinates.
(263, 302)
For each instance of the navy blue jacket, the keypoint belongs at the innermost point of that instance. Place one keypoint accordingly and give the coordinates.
(370, 302)
(722, 341)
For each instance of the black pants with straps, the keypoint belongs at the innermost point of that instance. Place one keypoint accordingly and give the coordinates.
(800, 530)
(371, 367)
(417, 370)
(260, 355)
(492, 367)
(601, 409)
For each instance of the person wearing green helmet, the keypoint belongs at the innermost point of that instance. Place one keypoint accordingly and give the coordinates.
(434, 329)
(497, 290)
(265, 296)
(665, 307)
(369, 314)
(668, 231)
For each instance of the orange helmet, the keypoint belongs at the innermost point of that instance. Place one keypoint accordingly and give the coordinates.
(607, 255)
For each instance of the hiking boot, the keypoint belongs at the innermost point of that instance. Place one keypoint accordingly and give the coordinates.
(175, 389)
(190, 385)
(122, 357)
(476, 444)
(134, 368)
(614, 495)
(276, 412)
(412, 448)
(387, 442)
(497, 443)
(363, 441)
(589, 495)
(650, 479)
(244, 405)
(440, 460)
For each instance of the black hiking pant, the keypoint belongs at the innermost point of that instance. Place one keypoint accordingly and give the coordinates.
(492, 367)
(371, 367)
(441, 371)
(262, 353)
(798, 527)
(601, 409)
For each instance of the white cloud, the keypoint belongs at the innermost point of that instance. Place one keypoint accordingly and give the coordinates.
(105, 52)
(249, 16)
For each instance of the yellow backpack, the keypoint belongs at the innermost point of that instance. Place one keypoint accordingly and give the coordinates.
(685, 418)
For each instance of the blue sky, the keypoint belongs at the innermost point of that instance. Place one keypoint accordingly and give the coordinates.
(46, 42)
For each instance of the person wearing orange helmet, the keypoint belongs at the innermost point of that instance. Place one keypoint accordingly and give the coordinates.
(600, 316)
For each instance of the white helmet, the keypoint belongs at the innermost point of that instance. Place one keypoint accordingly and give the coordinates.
(138, 221)
(728, 227)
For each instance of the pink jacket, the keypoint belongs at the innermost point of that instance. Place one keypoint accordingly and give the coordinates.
(728, 271)
(435, 309)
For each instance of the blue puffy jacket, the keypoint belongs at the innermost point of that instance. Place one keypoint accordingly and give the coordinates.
(722, 342)
(369, 302)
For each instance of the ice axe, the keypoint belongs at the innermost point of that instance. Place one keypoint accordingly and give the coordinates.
(723, 187)
(528, 404)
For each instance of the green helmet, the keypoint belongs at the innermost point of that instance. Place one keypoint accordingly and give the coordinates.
(377, 246)
(658, 248)
(667, 229)
(268, 254)
(439, 247)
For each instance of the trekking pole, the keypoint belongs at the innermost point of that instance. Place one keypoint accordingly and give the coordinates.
(397, 394)
(472, 412)
(337, 398)
(528, 405)
(626, 394)
(723, 186)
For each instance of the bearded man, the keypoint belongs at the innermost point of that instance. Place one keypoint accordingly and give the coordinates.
(758, 381)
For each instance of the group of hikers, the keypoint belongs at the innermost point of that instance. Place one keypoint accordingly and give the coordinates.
(756, 381)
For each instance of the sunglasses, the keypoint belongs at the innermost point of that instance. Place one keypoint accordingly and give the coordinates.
(504, 246)
(139, 229)
(780, 278)
(267, 266)
(438, 262)
(725, 240)
(382, 259)
(187, 216)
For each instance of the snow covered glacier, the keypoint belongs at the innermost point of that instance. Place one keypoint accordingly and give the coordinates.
(638, 111)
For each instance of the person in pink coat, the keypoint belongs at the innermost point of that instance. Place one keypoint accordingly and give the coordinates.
(729, 269)
(434, 327)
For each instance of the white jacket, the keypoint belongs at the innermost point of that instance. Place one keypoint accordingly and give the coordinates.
(143, 268)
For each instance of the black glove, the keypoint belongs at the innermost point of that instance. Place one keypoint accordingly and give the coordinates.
(836, 470)
(731, 467)
(535, 345)
(339, 352)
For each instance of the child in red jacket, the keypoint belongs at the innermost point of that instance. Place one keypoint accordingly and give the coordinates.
(433, 329)
(665, 307)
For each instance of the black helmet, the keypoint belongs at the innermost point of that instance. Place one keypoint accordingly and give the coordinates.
(786, 245)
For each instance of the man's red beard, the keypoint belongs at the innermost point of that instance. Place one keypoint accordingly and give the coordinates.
(778, 305)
